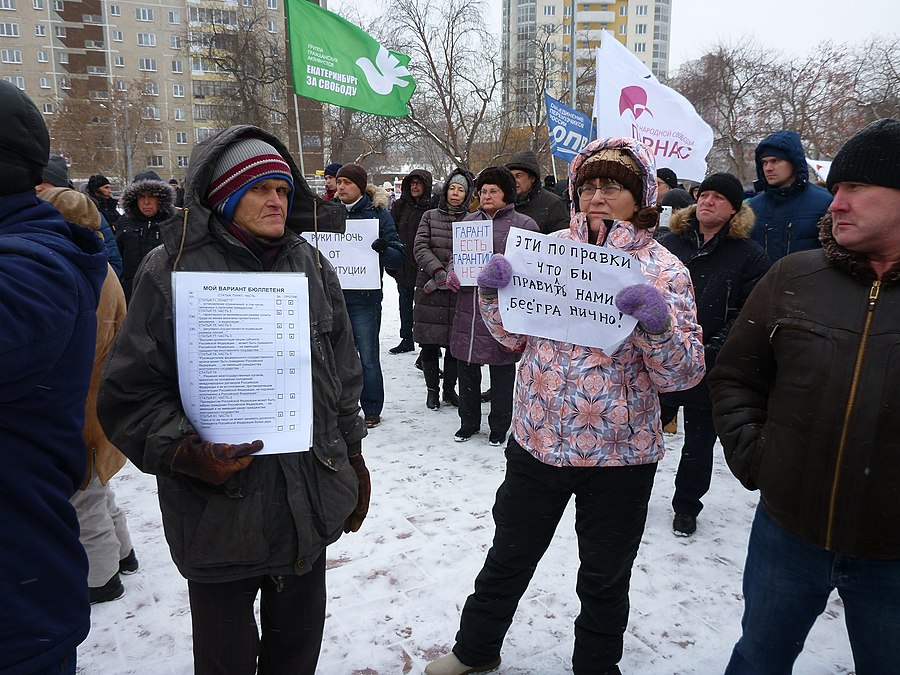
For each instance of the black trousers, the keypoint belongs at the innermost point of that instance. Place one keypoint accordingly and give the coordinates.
(610, 513)
(695, 468)
(503, 380)
(227, 640)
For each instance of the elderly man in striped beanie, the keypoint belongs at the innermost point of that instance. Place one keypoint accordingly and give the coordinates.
(241, 525)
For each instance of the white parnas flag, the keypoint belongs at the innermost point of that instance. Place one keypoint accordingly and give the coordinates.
(629, 101)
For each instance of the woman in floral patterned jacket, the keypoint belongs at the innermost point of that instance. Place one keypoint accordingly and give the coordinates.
(587, 423)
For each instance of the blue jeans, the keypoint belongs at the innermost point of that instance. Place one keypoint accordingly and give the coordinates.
(406, 311)
(786, 586)
(364, 309)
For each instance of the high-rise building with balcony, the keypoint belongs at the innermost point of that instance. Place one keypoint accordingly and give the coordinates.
(131, 85)
(537, 40)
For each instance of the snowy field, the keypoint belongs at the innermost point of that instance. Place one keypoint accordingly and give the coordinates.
(397, 586)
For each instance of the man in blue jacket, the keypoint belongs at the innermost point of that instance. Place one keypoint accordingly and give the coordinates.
(50, 278)
(364, 201)
(788, 207)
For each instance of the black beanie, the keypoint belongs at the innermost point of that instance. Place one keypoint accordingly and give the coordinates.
(96, 182)
(502, 178)
(668, 177)
(332, 169)
(24, 141)
(870, 156)
(726, 185)
(56, 172)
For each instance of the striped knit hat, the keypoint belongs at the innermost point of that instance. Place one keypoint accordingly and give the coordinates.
(241, 165)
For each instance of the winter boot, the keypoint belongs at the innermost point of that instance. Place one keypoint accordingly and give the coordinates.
(450, 665)
(450, 397)
(433, 382)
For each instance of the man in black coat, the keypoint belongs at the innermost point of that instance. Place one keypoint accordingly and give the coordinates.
(532, 200)
(415, 199)
(713, 241)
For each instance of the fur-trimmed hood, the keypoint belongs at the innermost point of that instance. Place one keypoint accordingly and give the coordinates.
(154, 188)
(739, 227)
(855, 264)
(378, 196)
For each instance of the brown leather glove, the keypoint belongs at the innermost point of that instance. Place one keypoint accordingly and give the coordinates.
(212, 462)
(355, 519)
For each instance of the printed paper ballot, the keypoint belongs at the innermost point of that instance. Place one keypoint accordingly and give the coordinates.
(244, 367)
(351, 254)
(565, 290)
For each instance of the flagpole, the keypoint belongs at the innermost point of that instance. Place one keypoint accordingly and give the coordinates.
(299, 137)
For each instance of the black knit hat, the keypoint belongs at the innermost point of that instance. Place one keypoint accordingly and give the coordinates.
(870, 156)
(502, 178)
(668, 177)
(24, 141)
(355, 174)
(726, 185)
(332, 169)
(96, 182)
(56, 172)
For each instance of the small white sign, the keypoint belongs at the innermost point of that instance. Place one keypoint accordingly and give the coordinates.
(351, 254)
(473, 246)
(243, 353)
(565, 290)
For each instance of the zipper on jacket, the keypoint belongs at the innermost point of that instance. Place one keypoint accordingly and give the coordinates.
(848, 412)
(728, 299)
(787, 248)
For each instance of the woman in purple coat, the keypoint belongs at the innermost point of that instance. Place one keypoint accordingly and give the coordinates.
(470, 341)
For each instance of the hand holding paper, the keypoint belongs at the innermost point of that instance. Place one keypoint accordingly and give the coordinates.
(647, 305)
(496, 274)
(212, 462)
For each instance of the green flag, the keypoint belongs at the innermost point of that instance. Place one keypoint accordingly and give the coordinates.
(336, 62)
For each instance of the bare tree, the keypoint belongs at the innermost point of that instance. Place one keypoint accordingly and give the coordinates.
(238, 42)
(456, 65)
(877, 74)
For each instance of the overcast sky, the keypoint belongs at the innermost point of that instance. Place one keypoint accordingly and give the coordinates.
(792, 26)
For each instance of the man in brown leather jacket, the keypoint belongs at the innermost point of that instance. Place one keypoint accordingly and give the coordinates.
(806, 395)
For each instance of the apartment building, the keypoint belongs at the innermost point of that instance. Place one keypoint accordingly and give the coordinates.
(537, 39)
(131, 85)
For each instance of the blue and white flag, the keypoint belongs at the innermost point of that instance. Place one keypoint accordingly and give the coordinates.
(569, 130)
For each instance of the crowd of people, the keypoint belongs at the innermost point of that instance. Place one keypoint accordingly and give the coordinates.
(771, 322)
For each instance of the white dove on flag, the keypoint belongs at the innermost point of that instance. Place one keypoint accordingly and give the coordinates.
(385, 74)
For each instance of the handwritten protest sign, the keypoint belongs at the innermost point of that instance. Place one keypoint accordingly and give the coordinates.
(473, 246)
(351, 254)
(566, 290)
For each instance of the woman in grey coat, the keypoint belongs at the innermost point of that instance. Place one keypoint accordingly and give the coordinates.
(435, 303)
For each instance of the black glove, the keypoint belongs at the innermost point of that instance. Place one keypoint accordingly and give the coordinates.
(379, 245)
(212, 462)
(355, 519)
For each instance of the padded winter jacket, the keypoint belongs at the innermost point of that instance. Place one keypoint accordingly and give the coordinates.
(806, 395)
(136, 234)
(723, 270)
(470, 340)
(787, 218)
(407, 213)
(51, 273)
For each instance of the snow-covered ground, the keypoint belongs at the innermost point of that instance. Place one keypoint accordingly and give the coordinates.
(397, 586)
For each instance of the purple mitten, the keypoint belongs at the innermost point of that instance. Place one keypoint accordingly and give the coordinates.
(453, 281)
(647, 305)
(496, 274)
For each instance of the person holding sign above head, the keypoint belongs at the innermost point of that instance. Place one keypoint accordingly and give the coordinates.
(587, 423)
(240, 524)
(435, 303)
(470, 341)
(364, 201)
